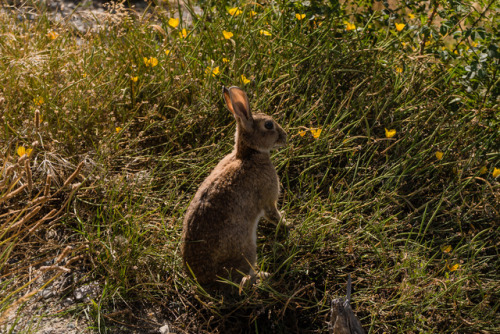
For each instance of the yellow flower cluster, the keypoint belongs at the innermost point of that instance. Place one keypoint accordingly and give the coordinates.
(235, 11)
(214, 71)
(390, 133)
(52, 35)
(349, 26)
(21, 150)
(227, 34)
(244, 79)
(316, 132)
(151, 61)
(38, 100)
(183, 33)
(173, 22)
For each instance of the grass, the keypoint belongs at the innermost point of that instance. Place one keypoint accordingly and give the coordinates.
(120, 147)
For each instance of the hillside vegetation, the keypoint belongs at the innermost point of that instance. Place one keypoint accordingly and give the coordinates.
(390, 174)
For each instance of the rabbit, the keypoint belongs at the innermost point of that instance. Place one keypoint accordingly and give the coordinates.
(219, 236)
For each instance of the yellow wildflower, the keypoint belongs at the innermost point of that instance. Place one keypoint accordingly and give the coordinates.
(302, 133)
(227, 34)
(38, 101)
(84, 75)
(252, 13)
(300, 16)
(496, 172)
(173, 22)
(265, 33)
(225, 60)
(183, 33)
(134, 79)
(52, 35)
(454, 267)
(399, 69)
(118, 129)
(439, 155)
(151, 61)
(21, 150)
(244, 79)
(411, 16)
(167, 52)
(400, 26)
(315, 132)
(446, 248)
(235, 11)
(390, 133)
(349, 26)
(214, 71)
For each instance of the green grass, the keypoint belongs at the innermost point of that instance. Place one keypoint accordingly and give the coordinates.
(383, 210)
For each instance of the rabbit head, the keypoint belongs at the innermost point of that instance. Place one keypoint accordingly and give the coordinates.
(258, 131)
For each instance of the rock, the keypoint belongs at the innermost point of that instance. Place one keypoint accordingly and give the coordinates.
(342, 318)
(46, 293)
(87, 292)
(164, 329)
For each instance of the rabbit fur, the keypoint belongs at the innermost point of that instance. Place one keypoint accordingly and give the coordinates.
(219, 237)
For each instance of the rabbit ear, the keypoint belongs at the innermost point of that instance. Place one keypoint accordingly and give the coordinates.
(237, 103)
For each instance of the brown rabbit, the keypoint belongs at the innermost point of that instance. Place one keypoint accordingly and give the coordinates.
(219, 237)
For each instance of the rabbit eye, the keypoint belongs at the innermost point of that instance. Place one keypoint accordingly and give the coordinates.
(268, 125)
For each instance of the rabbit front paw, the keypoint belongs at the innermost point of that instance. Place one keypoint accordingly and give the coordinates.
(249, 280)
(284, 223)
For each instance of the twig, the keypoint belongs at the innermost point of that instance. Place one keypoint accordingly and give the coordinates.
(28, 174)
